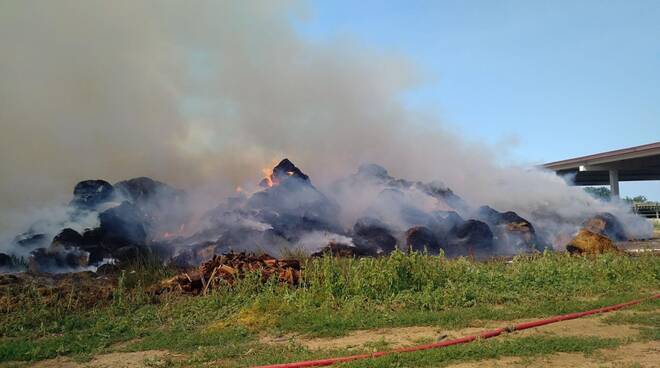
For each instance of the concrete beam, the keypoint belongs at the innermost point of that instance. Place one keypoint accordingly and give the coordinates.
(645, 163)
(608, 158)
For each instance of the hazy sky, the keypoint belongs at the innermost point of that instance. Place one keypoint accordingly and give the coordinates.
(558, 79)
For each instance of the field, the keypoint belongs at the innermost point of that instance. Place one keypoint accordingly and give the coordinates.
(344, 306)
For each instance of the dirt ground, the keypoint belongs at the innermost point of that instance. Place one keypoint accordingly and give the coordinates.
(636, 246)
(408, 336)
(113, 360)
(632, 355)
(636, 354)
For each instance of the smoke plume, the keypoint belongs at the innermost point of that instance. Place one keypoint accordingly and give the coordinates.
(204, 94)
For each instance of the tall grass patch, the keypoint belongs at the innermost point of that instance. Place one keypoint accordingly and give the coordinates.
(336, 295)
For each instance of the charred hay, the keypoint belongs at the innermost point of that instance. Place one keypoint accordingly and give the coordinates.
(224, 270)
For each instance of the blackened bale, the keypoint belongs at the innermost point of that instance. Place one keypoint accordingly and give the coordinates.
(143, 190)
(511, 230)
(343, 250)
(372, 235)
(48, 260)
(123, 225)
(92, 242)
(472, 237)
(31, 239)
(131, 253)
(6, 261)
(421, 238)
(287, 169)
(88, 194)
(68, 238)
(446, 223)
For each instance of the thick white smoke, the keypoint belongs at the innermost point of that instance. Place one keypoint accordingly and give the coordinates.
(203, 94)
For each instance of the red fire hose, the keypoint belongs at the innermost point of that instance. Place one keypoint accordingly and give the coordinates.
(462, 340)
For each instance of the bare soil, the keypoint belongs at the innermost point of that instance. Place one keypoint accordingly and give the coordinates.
(584, 327)
(137, 359)
(407, 336)
(640, 354)
(637, 246)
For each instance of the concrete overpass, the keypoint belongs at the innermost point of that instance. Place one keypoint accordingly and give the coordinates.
(609, 168)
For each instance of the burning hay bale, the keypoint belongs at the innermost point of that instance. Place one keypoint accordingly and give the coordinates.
(587, 242)
(598, 235)
(281, 172)
(291, 205)
(607, 225)
(226, 269)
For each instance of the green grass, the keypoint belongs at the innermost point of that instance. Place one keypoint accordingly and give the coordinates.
(336, 297)
(646, 316)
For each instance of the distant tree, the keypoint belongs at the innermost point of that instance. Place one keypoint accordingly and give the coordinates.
(640, 198)
(637, 199)
(602, 193)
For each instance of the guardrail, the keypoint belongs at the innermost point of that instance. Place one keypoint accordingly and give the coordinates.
(647, 210)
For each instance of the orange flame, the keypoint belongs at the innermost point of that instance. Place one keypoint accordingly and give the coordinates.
(268, 176)
(180, 232)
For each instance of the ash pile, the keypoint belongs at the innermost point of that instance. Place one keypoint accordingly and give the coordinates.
(379, 213)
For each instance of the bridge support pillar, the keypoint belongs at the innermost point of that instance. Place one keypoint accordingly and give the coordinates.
(614, 182)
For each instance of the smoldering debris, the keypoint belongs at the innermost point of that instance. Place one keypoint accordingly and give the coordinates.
(368, 213)
(224, 270)
(129, 217)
